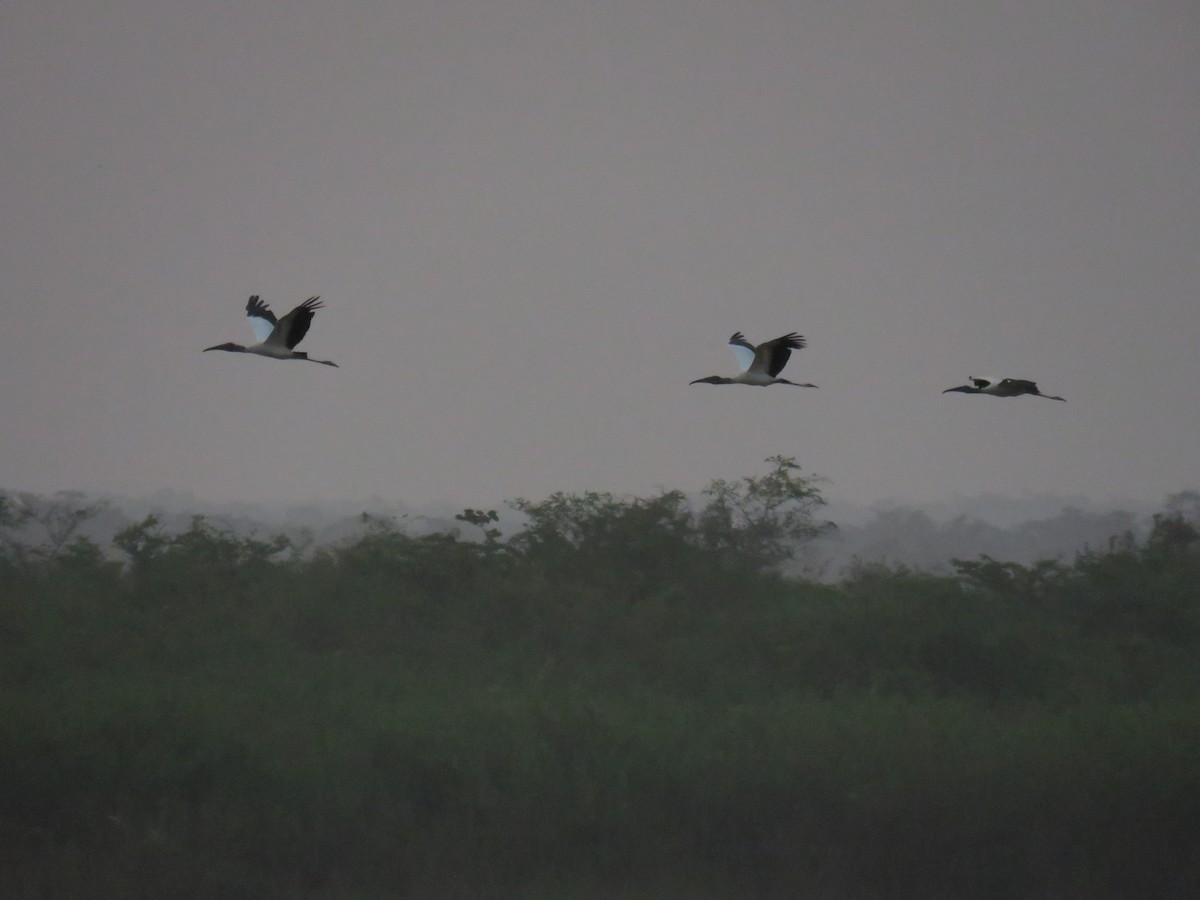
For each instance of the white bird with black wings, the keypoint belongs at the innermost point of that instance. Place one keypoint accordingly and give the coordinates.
(762, 364)
(277, 338)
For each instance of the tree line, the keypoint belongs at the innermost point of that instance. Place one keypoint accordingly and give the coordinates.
(620, 697)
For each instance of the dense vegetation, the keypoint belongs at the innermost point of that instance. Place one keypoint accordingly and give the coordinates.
(621, 700)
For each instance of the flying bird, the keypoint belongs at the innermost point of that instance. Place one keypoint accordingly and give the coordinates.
(761, 364)
(277, 338)
(1004, 387)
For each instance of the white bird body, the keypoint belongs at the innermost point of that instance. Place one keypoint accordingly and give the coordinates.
(749, 377)
(277, 338)
(760, 365)
(1001, 387)
(273, 351)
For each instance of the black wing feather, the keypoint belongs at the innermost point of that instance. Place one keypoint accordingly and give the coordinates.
(256, 309)
(781, 351)
(301, 318)
(740, 339)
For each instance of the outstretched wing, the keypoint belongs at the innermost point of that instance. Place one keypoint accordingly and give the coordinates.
(262, 320)
(742, 349)
(294, 326)
(772, 356)
(1015, 387)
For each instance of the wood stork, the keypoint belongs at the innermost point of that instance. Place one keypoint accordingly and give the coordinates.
(761, 364)
(1003, 387)
(278, 337)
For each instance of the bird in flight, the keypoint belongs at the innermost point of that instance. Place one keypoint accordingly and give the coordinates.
(761, 364)
(277, 338)
(1003, 387)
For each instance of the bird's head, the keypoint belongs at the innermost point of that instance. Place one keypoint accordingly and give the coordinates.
(230, 346)
(712, 379)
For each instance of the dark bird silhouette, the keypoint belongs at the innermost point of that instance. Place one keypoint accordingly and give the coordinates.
(1004, 387)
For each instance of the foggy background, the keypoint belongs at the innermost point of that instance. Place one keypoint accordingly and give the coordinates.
(534, 222)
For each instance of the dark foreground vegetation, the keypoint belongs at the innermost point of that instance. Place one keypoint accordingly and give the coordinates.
(620, 701)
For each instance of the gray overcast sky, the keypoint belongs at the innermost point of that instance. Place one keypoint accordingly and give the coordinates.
(534, 222)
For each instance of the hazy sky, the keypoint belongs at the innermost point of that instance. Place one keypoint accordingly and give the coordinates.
(533, 222)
